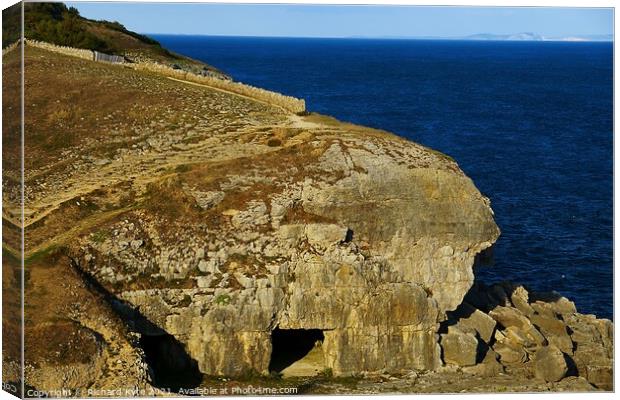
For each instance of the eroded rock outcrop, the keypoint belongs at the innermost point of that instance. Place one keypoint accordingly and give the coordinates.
(534, 335)
(369, 239)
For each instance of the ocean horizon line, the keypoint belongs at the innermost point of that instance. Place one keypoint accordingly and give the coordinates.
(403, 38)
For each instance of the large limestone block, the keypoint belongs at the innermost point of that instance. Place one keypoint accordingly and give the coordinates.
(325, 235)
(519, 328)
(555, 331)
(470, 317)
(550, 364)
(510, 354)
(529, 339)
(459, 348)
(429, 231)
(519, 297)
(232, 353)
(490, 365)
(553, 300)
(509, 316)
(606, 330)
(592, 361)
(394, 349)
(601, 376)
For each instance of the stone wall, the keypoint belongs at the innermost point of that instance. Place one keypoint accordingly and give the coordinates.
(69, 51)
(287, 103)
(10, 47)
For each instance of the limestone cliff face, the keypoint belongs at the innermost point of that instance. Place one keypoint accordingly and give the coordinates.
(364, 236)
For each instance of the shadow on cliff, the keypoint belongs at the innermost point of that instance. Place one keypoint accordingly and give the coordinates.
(486, 297)
(171, 368)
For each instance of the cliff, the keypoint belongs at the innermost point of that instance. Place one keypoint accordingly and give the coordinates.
(201, 232)
(367, 238)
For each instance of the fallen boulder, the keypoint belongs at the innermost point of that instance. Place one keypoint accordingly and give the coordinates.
(469, 317)
(536, 333)
(550, 364)
(459, 348)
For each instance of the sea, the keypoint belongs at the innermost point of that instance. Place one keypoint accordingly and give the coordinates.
(530, 122)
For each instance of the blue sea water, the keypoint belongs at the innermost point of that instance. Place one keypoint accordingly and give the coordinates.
(530, 122)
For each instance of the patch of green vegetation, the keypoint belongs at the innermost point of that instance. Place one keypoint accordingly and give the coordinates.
(183, 168)
(128, 198)
(11, 24)
(100, 236)
(274, 142)
(251, 375)
(61, 25)
(167, 198)
(327, 373)
(239, 258)
(43, 254)
(60, 140)
(58, 24)
(222, 300)
(88, 206)
(117, 26)
(187, 300)
(346, 381)
(9, 256)
(275, 375)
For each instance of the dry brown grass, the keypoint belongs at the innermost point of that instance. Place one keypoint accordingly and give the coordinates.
(52, 334)
(167, 199)
(297, 215)
(11, 112)
(88, 102)
(60, 343)
(11, 307)
(79, 212)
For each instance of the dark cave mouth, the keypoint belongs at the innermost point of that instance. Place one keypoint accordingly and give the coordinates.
(292, 345)
(171, 367)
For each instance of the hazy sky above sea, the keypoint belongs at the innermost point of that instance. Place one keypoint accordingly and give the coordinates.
(349, 21)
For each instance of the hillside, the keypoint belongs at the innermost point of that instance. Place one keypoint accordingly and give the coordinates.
(61, 25)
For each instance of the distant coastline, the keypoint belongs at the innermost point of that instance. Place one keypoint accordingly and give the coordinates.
(517, 37)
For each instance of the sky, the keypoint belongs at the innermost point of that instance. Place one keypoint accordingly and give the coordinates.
(303, 20)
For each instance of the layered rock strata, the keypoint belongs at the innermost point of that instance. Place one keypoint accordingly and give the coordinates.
(369, 239)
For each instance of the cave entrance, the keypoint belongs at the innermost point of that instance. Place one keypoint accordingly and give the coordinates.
(297, 352)
(172, 368)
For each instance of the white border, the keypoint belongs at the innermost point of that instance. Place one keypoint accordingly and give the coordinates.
(487, 3)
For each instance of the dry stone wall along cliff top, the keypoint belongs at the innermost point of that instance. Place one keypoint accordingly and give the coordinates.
(287, 103)
(69, 51)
